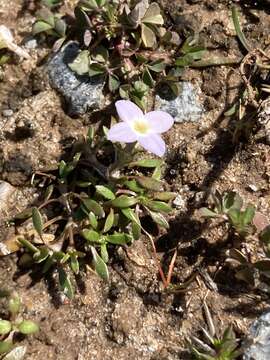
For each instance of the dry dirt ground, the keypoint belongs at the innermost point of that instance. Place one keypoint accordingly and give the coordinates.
(131, 317)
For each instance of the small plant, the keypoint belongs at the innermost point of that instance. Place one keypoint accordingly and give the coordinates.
(101, 195)
(125, 43)
(214, 346)
(7, 43)
(254, 272)
(14, 323)
(229, 207)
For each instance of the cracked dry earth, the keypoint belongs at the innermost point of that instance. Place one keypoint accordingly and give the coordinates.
(131, 317)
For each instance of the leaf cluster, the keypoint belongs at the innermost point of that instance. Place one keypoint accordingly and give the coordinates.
(230, 207)
(127, 44)
(99, 210)
(14, 322)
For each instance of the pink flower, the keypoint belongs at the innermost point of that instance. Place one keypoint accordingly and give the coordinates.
(137, 126)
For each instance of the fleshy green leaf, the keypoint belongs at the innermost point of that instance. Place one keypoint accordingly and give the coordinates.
(65, 283)
(81, 64)
(117, 239)
(109, 221)
(150, 183)
(37, 221)
(99, 265)
(124, 201)
(152, 15)
(5, 327)
(113, 83)
(91, 235)
(74, 264)
(41, 26)
(159, 206)
(147, 163)
(104, 253)
(148, 36)
(5, 346)
(158, 218)
(105, 192)
(92, 205)
(93, 220)
(28, 327)
(204, 212)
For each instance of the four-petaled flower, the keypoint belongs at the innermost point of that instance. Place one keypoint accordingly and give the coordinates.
(137, 126)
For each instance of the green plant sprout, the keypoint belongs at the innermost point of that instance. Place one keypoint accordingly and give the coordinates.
(126, 43)
(100, 197)
(255, 273)
(229, 206)
(214, 346)
(14, 323)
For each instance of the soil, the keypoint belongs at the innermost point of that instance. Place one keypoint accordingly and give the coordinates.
(131, 317)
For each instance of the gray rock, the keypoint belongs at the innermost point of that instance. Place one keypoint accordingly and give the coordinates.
(185, 107)
(7, 112)
(31, 43)
(257, 346)
(81, 93)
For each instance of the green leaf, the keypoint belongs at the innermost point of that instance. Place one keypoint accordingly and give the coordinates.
(147, 163)
(113, 83)
(152, 15)
(99, 265)
(207, 213)
(133, 186)
(37, 221)
(117, 239)
(109, 221)
(105, 192)
(41, 26)
(158, 218)
(147, 78)
(248, 215)
(238, 29)
(148, 36)
(14, 304)
(46, 15)
(74, 263)
(157, 66)
(65, 283)
(60, 27)
(28, 327)
(136, 230)
(92, 205)
(104, 253)
(96, 69)
(164, 196)
(5, 327)
(150, 183)
(158, 206)
(81, 63)
(124, 201)
(91, 235)
(41, 255)
(93, 220)
(5, 346)
(157, 173)
(131, 215)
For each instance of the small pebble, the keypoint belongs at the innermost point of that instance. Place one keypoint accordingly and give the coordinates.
(7, 113)
(31, 44)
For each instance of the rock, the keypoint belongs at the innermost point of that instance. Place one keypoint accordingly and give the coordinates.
(6, 191)
(257, 346)
(80, 92)
(31, 43)
(184, 107)
(7, 112)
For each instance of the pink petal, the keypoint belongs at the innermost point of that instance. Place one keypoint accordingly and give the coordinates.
(121, 132)
(160, 121)
(128, 111)
(153, 143)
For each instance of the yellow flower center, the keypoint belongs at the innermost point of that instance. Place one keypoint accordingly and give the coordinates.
(141, 126)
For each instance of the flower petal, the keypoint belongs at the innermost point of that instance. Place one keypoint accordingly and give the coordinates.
(128, 111)
(160, 121)
(153, 143)
(121, 132)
